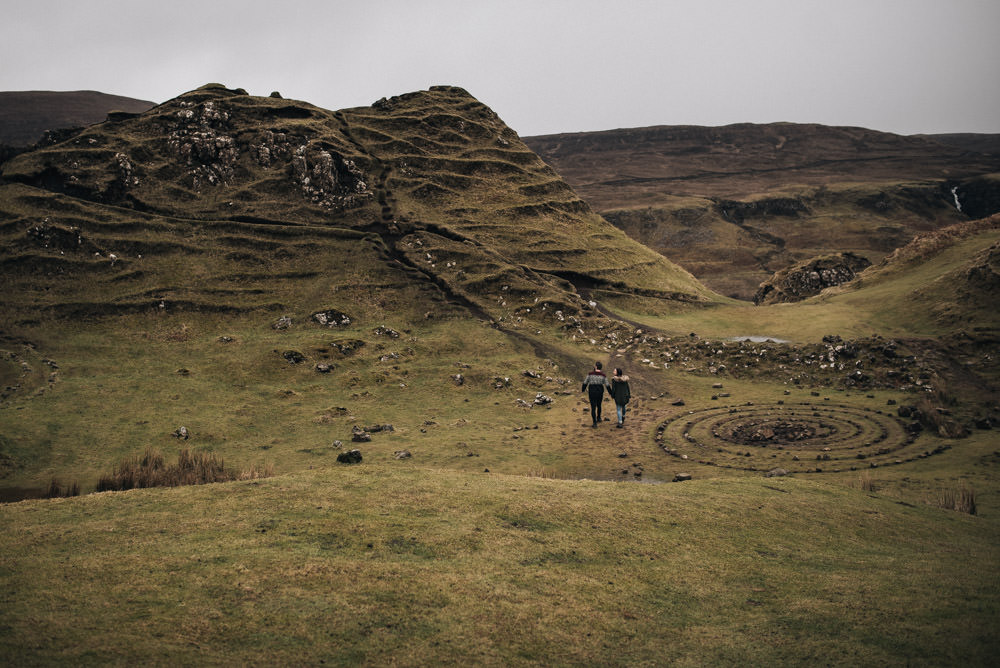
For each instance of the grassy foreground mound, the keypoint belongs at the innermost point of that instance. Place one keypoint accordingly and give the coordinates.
(412, 566)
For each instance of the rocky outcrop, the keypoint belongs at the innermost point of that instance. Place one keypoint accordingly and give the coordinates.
(810, 278)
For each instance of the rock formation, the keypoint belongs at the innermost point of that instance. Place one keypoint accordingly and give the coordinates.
(810, 278)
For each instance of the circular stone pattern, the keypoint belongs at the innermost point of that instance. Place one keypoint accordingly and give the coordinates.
(800, 438)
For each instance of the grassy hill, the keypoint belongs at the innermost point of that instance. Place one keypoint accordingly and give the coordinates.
(258, 280)
(735, 204)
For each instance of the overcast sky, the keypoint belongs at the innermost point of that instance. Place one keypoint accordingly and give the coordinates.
(545, 66)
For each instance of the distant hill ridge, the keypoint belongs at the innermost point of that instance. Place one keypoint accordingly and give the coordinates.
(26, 115)
(734, 204)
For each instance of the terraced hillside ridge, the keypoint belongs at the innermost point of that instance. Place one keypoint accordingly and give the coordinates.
(25, 116)
(735, 204)
(434, 180)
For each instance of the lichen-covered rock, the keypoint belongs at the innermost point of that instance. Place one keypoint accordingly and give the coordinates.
(201, 140)
(382, 330)
(293, 356)
(350, 457)
(332, 318)
(810, 278)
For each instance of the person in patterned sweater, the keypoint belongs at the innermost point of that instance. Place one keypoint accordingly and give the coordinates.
(594, 384)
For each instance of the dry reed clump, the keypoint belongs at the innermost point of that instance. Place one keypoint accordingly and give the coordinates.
(197, 468)
(865, 482)
(962, 500)
(57, 490)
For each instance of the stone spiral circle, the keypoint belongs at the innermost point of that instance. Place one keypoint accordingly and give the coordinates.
(798, 437)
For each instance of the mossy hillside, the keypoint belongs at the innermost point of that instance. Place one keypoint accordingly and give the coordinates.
(381, 564)
(453, 163)
(937, 286)
(218, 155)
(941, 283)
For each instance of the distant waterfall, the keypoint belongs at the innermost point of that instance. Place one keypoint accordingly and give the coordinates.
(954, 193)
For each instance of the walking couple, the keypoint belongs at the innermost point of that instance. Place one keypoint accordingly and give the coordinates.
(596, 382)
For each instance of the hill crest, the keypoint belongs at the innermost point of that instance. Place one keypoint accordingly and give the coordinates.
(433, 181)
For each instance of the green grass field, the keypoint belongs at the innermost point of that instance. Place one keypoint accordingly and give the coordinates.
(559, 554)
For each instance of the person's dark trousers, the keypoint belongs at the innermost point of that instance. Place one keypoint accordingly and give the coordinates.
(595, 409)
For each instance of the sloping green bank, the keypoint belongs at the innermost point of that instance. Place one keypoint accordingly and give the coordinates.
(376, 565)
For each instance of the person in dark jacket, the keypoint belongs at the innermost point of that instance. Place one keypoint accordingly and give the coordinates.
(621, 393)
(594, 384)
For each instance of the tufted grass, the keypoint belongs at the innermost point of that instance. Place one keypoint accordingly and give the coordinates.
(380, 564)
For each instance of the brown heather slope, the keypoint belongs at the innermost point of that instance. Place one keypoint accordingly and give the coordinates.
(26, 115)
(734, 204)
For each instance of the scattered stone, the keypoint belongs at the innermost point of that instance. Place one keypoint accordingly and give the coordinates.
(717, 386)
(401, 454)
(776, 473)
(183, 372)
(458, 379)
(531, 374)
(294, 356)
(542, 400)
(350, 457)
(380, 427)
(681, 477)
(182, 433)
(359, 435)
(622, 455)
(323, 367)
(679, 402)
(284, 322)
(225, 339)
(331, 318)
(338, 444)
(347, 346)
(382, 330)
